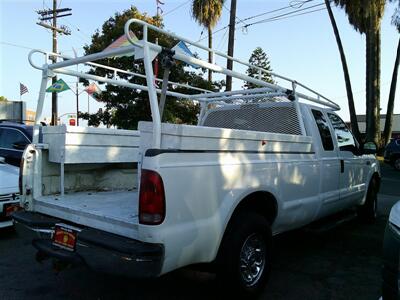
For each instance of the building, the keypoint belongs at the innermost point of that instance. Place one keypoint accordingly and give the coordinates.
(395, 126)
(12, 110)
(30, 116)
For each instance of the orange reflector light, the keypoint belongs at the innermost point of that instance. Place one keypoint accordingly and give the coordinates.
(10, 208)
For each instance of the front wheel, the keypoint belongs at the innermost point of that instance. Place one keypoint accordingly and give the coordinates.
(244, 259)
(369, 211)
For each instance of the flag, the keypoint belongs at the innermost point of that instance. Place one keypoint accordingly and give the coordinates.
(94, 91)
(22, 89)
(122, 41)
(58, 87)
(183, 48)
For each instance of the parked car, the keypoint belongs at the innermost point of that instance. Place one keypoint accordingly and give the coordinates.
(391, 255)
(9, 192)
(392, 153)
(14, 137)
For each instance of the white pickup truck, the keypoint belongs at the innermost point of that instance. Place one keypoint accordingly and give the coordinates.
(143, 203)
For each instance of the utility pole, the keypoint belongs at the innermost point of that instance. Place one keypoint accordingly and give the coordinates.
(53, 14)
(231, 43)
(76, 91)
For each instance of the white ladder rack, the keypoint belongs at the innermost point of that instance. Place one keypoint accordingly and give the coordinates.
(149, 50)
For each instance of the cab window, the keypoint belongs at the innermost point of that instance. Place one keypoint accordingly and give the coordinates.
(323, 129)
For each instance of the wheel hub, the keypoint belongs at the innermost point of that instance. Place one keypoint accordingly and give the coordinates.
(252, 259)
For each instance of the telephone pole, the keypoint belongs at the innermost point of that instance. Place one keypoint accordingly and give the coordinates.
(47, 15)
(231, 43)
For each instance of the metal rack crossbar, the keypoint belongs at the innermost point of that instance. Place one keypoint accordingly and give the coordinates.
(147, 50)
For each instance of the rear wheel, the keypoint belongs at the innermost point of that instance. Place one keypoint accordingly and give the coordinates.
(244, 260)
(369, 211)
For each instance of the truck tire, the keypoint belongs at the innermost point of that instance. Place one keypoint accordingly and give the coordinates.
(244, 259)
(367, 213)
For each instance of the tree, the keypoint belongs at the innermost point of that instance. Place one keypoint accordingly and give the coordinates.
(387, 133)
(350, 98)
(260, 59)
(207, 14)
(3, 99)
(366, 16)
(125, 107)
(101, 117)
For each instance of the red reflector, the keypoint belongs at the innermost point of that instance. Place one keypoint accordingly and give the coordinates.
(10, 208)
(151, 198)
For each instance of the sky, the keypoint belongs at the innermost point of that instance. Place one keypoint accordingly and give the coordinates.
(301, 47)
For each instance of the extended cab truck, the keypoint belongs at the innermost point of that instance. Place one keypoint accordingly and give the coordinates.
(146, 202)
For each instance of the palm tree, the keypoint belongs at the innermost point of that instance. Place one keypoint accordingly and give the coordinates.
(366, 16)
(350, 98)
(207, 14)
(387, 133)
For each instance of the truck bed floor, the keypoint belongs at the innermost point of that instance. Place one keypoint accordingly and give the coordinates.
(112, 211)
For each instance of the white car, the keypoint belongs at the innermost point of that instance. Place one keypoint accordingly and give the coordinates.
(391, 250)
(9, 192)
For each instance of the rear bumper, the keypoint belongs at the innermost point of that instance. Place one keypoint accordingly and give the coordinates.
(99, 250)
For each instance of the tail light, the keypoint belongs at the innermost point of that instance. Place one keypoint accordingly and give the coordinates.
(21, 170)
(151, 198)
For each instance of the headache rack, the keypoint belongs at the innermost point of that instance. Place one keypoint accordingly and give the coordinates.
(146, 50)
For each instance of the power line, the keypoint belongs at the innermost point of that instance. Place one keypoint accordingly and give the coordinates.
(269, 19)
(287, 17)
(238, 19)
(218, 30)
(83, 36)
(174, 9)
(285, 14)
(223, 40)
(16, 45)
(291, 5)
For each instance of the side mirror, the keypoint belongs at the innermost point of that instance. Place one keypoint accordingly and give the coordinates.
(20, 145)
(369, 148)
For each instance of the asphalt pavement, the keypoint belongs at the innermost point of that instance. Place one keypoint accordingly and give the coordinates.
(343, 262)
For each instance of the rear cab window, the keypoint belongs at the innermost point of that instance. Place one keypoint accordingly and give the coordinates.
(323, 128)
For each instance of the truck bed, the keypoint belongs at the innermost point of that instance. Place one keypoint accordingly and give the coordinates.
(112, 211)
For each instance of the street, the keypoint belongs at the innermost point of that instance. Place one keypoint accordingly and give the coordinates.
(339, 263)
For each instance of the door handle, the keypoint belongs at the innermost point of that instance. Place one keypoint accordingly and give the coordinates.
(341, 166)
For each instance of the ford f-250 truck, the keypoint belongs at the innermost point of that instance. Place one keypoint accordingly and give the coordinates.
(143, 203)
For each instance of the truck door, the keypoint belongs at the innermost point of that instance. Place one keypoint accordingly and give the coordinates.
(352, 165)
(329, 165)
